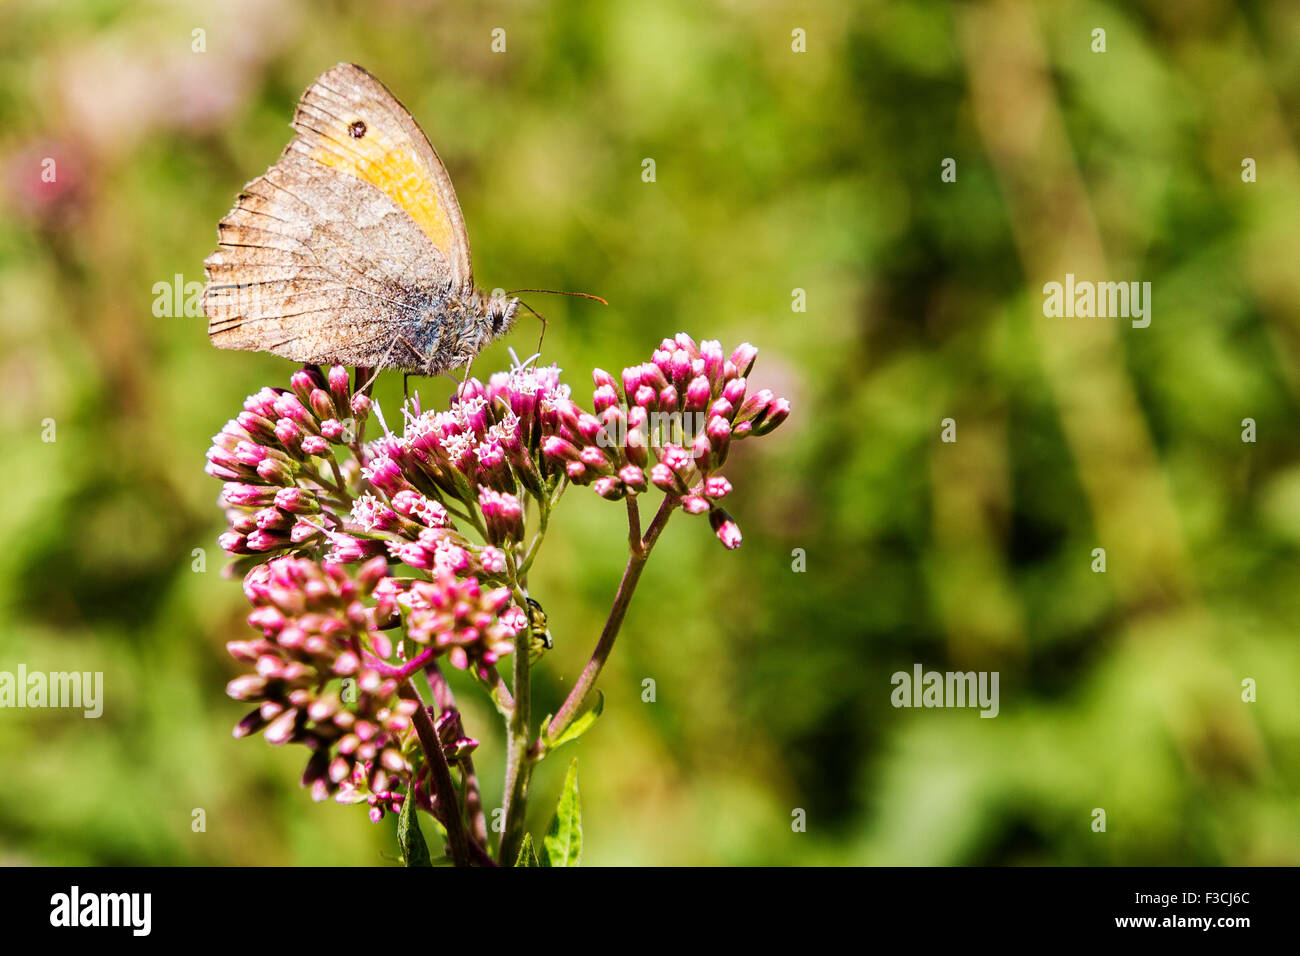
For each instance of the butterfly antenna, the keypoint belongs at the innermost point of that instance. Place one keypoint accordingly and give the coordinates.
(580, 295)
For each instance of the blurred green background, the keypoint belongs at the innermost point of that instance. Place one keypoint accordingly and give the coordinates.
(775, 171)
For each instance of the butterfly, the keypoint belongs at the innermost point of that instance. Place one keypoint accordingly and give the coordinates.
(352, 247)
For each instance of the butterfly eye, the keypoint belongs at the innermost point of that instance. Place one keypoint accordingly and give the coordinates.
(498, 313)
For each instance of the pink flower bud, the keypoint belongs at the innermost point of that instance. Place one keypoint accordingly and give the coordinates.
(711, 353)
(734, 391)
(274, 471)
(224, 472)
(371, 573)
(385, 474)
(632, 380)
(725, 528)
(608, 487)
(663, 478)
(339, 386)
(694, 505)
(246, 687)
(676, 458)
(250, 454)
(716, 487)
(633, 477)
(288, 406)
(702, 452)
(557, 448)
(242, 495)
(288, 433)
(668, 399)
(273, 519)
(603, 379)
(605, 396)
(280, 730)
(592, 430)
(493, 560)
(595, 458)
(262, 540)
(756, 405)
(262, 403)
(296, 500)
(303, 531)
(259, 427)
(743, 358)
(698, 394)
(303, 381)
(646, 397)
(653, 376)
(315, 445)
(679, 366)
(776, 413)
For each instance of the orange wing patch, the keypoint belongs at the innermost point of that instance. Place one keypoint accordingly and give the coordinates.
(388, 164)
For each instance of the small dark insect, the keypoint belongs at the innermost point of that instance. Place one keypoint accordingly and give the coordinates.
(357, 129)
(542, 641)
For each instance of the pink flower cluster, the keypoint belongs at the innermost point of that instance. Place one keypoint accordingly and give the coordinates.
(310, 675)
(283, 485)
(423, 535)
(670, 423)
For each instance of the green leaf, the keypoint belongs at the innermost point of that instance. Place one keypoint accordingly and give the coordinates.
(527, 853)
(581, 724)
(563, 840)
(414, 850)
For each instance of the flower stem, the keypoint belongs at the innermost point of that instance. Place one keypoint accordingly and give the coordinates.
(440, 775)
(496, 688)
(519, 769)
(446, 700)
(399, 671)
(640, 551)
(633, 525)
(545, 504)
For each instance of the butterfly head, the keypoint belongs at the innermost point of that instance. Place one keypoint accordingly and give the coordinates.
(498, 313)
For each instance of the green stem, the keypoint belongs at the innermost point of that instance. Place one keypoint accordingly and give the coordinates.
(545, 504)
(639, 548)
(519, 769)
(497, 690)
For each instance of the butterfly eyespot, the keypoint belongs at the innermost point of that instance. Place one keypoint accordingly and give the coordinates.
(356, 129)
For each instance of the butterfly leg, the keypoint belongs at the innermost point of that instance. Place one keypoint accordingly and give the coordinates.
(463, 380)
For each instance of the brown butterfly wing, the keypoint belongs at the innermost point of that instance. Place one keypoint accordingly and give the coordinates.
(347, 248)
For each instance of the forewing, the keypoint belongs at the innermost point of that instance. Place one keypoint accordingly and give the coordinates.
(331, 255)
(349, 121)
(319, 268)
